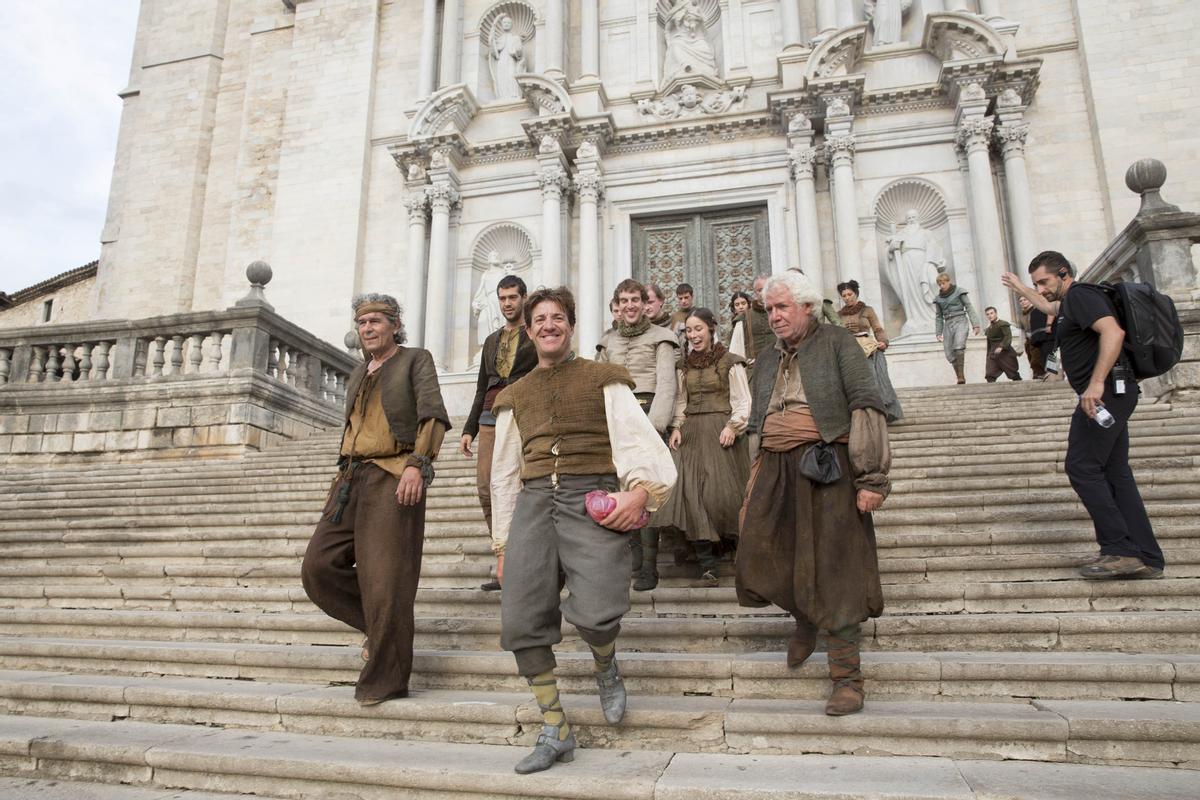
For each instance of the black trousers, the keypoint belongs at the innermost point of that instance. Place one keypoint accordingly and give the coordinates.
(1098, 465)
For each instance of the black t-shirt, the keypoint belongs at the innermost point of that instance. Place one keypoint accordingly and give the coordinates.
(1078, 344)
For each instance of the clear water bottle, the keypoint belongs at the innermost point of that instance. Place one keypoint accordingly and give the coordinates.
(1104, 417)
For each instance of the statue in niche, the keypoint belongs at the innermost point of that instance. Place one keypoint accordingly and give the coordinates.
(507, 59)
(914, 261)
(485, 304)
(688, 50)
(887, 17)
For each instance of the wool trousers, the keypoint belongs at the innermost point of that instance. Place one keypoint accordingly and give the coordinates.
(551, 531)
(363, 571)
(485, 445)
(1003, 362)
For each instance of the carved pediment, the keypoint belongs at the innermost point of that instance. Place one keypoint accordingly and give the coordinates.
(448, 110)
(953, 36)
(546, 96)
(838, 55)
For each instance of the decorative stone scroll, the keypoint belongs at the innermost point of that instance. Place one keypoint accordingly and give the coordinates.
(688, 101)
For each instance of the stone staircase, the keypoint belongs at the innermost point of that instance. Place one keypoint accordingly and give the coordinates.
(153, 632)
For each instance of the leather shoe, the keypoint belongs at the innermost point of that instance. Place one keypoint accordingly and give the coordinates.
(1111, 567)
(645, 579)
(612, 693)
(802, 643)
(845, 699)
(547, 751)
(490, 586)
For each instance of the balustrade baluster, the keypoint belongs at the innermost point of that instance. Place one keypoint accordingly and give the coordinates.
(85, 361)
(341, 388)
(285, 363)
(330, 385)
(102, 349)
(273, 359)
(53, 375)
(214, 352)
(5, 365)
(68, 363)
(295, 367)
(176, 354)
(37, 365)
(195, 355)
(140, 348)
(160, 353)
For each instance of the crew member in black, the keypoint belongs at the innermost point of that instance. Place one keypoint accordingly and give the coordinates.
(1097, 463)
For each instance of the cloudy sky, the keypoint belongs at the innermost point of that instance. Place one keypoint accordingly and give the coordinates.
(62, 63)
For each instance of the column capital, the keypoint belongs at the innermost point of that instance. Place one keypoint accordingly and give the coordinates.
(974, 133)
(1011, 138)
(442, 197)
(801, 161)
(839, 149)
(590, 185)
(554, 181)
(417, 204)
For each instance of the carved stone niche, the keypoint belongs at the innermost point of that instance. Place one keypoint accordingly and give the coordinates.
(690, 43)
(912, 238)
(505, 248)
(500, 58)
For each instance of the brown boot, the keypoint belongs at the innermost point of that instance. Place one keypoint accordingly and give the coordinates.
(802, 643)
(845, 670)
(959, 366)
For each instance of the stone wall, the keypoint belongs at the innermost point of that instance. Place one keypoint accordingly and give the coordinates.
(73, 303)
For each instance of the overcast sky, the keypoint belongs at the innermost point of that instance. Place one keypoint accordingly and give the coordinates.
(62, 63)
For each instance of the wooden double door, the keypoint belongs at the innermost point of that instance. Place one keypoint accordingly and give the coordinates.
(717, 252)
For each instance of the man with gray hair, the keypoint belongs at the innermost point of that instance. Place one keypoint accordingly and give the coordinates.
(364, 559)
(807, 542)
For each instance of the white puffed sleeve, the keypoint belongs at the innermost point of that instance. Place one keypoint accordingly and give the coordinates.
(507, 461)
(737, 341)
(739, 399)
(638, 451)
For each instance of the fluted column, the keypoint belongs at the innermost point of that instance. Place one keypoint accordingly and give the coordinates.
(1011, 135)
(449, 73)
(974, 136)
(553, 180)
(443, 195)
(826, 19)
(589, 183)
(839, 153)
(589, 38)
(414, 317)
(554, 39)
(790, 12)
(802, 157)
(427, 69)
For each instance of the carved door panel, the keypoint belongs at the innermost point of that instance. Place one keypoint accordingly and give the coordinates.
(717, 252)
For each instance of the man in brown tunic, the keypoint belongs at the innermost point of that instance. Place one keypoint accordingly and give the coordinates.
(364, 559)
(807, 541)
(1001, 357)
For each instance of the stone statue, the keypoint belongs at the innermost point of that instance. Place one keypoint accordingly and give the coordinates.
(506, 59)
(587, 150)
(886, 18)
(415, 172)
(837, 107)
(914, 261)
(485, 304)
(548, 144)
(688, 50)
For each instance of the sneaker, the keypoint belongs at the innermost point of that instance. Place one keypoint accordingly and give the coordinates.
(1146, 573)
(1111, 567)
(490, 586)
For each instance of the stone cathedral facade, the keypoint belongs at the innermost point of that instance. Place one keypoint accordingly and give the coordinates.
(426, 147)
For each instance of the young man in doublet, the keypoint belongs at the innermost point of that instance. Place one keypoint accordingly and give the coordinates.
(649, 352)
(569, 427)
(507, 356)
(364, 558)
(807, 540)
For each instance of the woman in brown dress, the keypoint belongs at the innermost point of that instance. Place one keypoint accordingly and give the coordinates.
(861, 320)
(712, 404)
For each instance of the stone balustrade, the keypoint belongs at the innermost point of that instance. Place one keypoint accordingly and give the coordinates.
(1156, 247)
(214, 380)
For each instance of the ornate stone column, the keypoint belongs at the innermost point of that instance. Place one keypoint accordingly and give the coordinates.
(427, 70)
(974, 136)
(802, 157)
(443, 195)
(451, 60)
(417, 203)
(552, 177)
(554, 39)
(589, 38)
(826, 19)
(839, 153)
(1010, 136)
(790, 12)
(845, 13)
(589, 183)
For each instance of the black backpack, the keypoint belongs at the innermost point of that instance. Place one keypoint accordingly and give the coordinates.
(1153, 336)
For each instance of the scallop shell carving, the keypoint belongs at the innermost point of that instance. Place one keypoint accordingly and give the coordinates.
(897, 199)
(523, 16)
(507, 239)
(710, 8)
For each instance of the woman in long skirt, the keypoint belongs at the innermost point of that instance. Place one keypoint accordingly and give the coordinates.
(712, 404)
(861, 320)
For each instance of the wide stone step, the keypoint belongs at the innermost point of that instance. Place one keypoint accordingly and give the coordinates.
(1105, 732)
(1136, 631)
(901, 675)
(295, 765)
(27, 788)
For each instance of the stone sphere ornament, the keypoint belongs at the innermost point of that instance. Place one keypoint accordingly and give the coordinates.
(259, 273)
(1146, 177)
